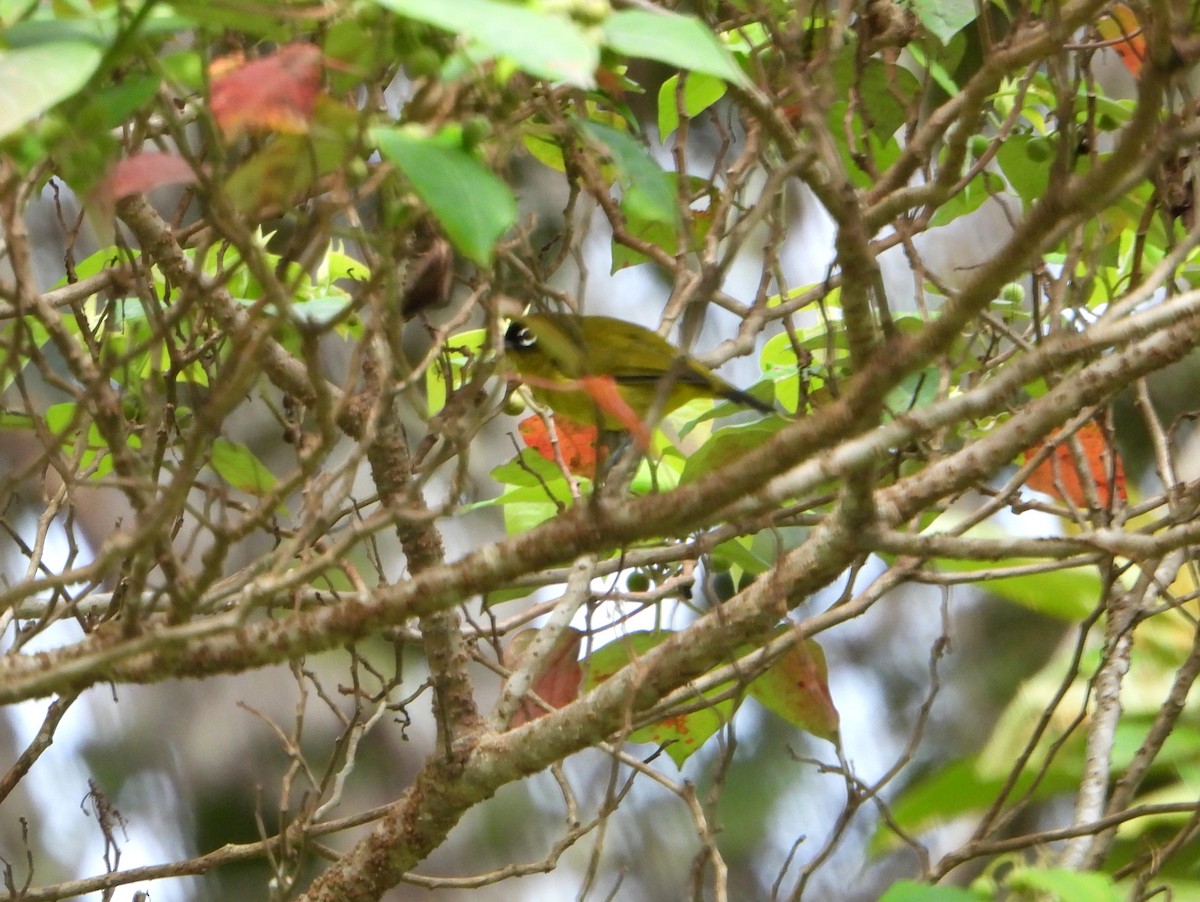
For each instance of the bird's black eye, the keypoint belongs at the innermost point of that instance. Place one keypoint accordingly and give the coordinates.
(518, 337)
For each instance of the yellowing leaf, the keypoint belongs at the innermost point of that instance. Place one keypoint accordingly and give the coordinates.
(682, 735)
(796, 687)
(1122, 26)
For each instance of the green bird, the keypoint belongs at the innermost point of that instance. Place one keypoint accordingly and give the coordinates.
(557, 354)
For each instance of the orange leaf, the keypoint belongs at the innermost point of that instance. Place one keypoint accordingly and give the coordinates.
(274, 93)
(1122, 24)
(1059, 476)
(577, 442)
(612, 83)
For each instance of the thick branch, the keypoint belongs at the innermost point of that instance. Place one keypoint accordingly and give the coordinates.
(222, 644)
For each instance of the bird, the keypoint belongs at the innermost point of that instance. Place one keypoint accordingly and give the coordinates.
(563, 359)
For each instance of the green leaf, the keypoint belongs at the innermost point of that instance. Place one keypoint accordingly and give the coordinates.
(1063, 594)
(117, 102)
(128, 339)
(781, 365)
(97, 262)
(97, 30)
(977, 192)
(656, 233)
(461, 350)
(473, 205)
(673, 39)
(649, 197)
(12, 360)
(1066, 886)
(544, 150)
(937, 71)
(238, 466)
(12, 419)
(12, 11)
(1110, 113)
(739, 553)
(649, 191)
(61, 419)
(944, 18)
(959, 788)
(664, 234)
(185, 69)
(911, 891)
(36, 78)
(686, 734)
(700, 91)
(526, 508)
(499, 596)
(540, 491)
(1025, 161)
(917, 390)
(875, 91)
(683, 735)
(338, 265)
(358, 48)
(319, 312)
(261, 19)
(528, 469)
(729, 444)
(98, 24)
(544, 44)
(661, 475)
(880, 151)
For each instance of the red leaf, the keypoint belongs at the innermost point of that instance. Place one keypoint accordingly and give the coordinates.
(1059, 476)
(577, 442)
(144, 172)
(274, 93)
(558, 684)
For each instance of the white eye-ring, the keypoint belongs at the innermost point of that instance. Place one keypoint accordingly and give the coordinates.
(519, 336)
